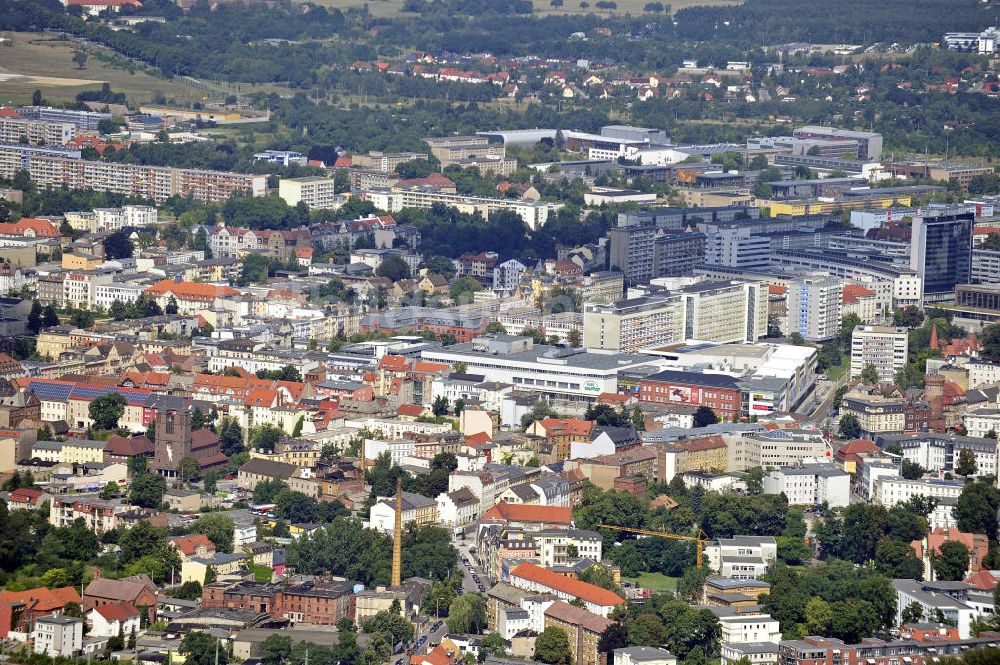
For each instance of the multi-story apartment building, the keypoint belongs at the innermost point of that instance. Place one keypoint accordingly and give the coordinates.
(811, 485)
(875, 413)
(595, 599)
(880, 346)
(778, 448)
(105, 294)
(939, 452)
(890, 491)
(385, 162)
(316, 192)
(814, 304)
(741, 557)
(534, 213)
(98, 516)
(646, 322)
(553, 545)
(89, 121)
(644, 251)
(453, 149)
(16, 130)
(726, 311)
(58, 635)
(80, 286)
(583, 629)
(152, 182)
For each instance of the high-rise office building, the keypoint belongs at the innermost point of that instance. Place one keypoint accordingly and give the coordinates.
(941, 250)
(642, 252)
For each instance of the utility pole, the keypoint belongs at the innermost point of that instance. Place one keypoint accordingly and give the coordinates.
(217, 654)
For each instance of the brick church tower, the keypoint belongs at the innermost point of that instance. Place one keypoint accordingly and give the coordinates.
(173, 434)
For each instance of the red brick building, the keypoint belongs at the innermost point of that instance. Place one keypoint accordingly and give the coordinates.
(718, 392)
(324, 602)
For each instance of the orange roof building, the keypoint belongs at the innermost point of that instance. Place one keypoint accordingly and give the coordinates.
(530, 514)
(534, 578)
(190, 296)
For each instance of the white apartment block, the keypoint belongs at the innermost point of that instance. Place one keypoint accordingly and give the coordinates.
(811, 485)
(534, 213)
(814, 304)
(316, 192)
(80, 287)
(397, 450)
(106, 294)
(779, 448)
(751, 628)
(115, 219)
(883, 347)
(981, 422)
(741, 557)
(891, 491)
(37, 132)
(940, 452)
(553, 545)
(58, 635)
(982, 373)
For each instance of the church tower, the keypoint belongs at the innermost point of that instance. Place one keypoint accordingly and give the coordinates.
(173, 434)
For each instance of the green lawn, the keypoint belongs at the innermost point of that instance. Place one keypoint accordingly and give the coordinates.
(261, 573)
(837, 371)
(654, 581)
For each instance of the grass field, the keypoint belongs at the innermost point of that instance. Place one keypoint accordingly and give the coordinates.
(40, 61)
(542, 7)
(838, 371)
(654, 581)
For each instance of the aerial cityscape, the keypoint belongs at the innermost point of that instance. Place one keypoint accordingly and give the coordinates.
(523, 332)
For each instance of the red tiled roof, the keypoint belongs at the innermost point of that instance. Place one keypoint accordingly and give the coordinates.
(515, 512)
(393, 363)
(188, 545)
(118, 611)
(564, 426)
(191, 289)
(574, 587)
(478, 439)
(413, 410)
(43, 600)
(852, 292)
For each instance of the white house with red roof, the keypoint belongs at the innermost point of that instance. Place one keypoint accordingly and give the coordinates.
(113, 620)
(95, 7)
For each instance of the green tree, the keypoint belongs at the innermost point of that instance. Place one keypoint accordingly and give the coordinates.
(467, 614)
(913, 613)
(439, 406)
(966, 463)
(976, 508)
(552, 647)
(951, 561)
(849, 426)
(393, 268)
(80, 58)
(199, 648)
(705, 416)
(391, 624)
(49, 316)
(869, 375)
(463, 288)
(819, 616)
(189, 468)
(107, 410)
(853, 619)
(35, 318)
(110, 490)
(276, 649)
(896, 559)
(147, 490)
(219, 529)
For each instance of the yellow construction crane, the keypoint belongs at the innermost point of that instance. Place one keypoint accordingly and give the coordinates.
(700, 539)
